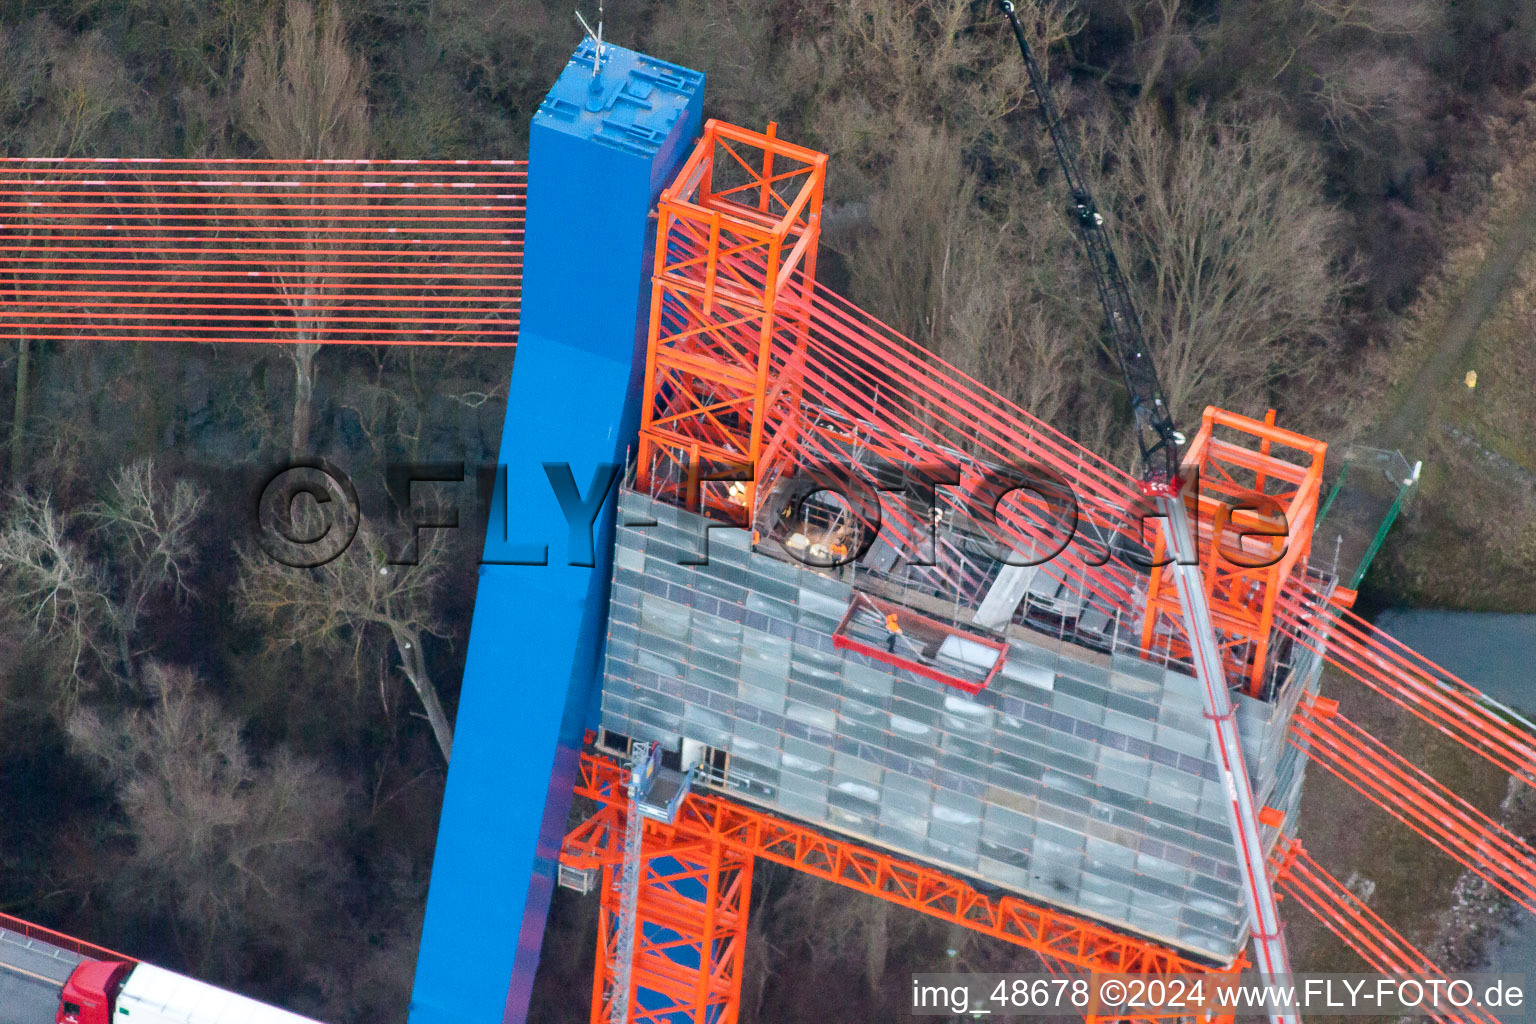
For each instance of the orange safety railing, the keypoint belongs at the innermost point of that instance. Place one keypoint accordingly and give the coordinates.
(62, 941)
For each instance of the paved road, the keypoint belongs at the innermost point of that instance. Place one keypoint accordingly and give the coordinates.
(31, 975)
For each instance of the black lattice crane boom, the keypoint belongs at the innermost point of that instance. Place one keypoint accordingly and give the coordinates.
(1160, 443)
(1159, 439)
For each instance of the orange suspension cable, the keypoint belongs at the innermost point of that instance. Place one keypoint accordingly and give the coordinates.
(1412, 682)
(1382, 776)
(1301, 879)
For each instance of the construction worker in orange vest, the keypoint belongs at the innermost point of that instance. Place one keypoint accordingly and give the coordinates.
(892, 631)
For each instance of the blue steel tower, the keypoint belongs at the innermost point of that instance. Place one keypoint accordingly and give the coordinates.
(602, 147)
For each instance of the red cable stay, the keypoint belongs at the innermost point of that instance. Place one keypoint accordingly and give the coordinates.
(871, 374)
(1300, 878)
(894, 397)
(1412, 682)
(1411, 796)
(382, 252)
(866, 392)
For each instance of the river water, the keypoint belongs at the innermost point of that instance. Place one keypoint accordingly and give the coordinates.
(1496, 654)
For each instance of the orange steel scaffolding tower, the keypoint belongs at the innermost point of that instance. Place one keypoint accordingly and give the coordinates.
(1253, 507)
(736, 240)
(690, 923)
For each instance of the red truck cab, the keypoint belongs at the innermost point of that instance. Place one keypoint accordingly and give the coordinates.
(89, 992)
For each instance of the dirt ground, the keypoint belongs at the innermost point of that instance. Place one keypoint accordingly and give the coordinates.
(1466, 540)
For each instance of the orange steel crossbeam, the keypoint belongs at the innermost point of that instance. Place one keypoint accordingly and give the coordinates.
(708, 924)
(1081, 943)
(406, 252)
(1300, 878)
(1375, 771)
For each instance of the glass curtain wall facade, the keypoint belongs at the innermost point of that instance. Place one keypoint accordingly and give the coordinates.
(1078, 778)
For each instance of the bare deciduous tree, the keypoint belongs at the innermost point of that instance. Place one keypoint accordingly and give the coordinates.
(52, 585)
(85, 580)
(1155, 33)
(58, 95)
(1231, 251)
(145, 528)
(355, 601)
(303, 97)
(220, 840)
(897, 66)
(907, 264)
(987, 276)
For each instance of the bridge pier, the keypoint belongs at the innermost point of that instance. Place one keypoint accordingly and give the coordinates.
(601, 149)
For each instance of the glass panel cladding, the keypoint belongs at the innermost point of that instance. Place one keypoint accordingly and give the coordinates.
(1020, 671)
(1076, 778)
(755, 744)
(1129, 725)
